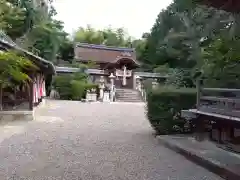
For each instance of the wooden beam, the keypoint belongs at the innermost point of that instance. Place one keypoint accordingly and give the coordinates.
(198, 86)
(31, 93)
(221, 99)
(220, 90)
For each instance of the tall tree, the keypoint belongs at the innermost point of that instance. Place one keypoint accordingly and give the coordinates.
(12, 19)
(108, 36)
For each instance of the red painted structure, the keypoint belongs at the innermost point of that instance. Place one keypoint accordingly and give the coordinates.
(30, 93)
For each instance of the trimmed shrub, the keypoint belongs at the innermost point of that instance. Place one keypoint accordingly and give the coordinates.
(72, 87)
(164, 107)
(77, 89)
(63, 87)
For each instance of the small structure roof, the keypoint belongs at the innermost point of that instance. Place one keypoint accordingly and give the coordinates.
(104, 47)
(45, 65)
(151, 75)
(63, 69)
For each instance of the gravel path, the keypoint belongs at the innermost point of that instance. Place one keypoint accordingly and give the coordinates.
(81, 141)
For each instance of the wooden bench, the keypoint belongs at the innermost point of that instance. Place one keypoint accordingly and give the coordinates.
(219, 107)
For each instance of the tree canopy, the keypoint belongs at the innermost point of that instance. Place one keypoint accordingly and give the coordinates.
(185, 36)
(32, 26)
(107, 37)
(193, 37)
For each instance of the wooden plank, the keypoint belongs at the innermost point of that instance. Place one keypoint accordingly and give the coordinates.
(198, 86)
(221, 111)
(215, 115)
(220, 99)
(220, 90)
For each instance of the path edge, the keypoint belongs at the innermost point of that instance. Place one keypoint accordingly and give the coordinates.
(218, 169)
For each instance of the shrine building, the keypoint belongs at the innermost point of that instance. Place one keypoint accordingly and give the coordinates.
(119, 61)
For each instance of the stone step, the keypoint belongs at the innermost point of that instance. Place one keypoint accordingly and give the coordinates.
(129, 90)
(129, 100)
(128, 95)
(124, 98)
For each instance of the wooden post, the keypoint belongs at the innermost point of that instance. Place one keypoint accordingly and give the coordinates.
(232, 132)
(198, 86)
(31, 93)
(219, 135)
(15, 97)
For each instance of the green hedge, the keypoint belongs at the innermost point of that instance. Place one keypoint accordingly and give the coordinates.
(164, 107)
(71, 88)
(63, 86)
(77, 89)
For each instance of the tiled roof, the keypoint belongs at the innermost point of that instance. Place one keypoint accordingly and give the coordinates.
(151, 75)
(104, 54)
(104, 47)
(40, 61)
(72, 70)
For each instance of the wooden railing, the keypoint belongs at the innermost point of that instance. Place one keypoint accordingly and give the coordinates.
(222, 101)
(142, 92)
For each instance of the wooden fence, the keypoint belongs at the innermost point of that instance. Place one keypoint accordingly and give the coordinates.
(222, 101)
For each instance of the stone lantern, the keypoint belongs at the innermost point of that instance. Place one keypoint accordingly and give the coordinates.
(101, 87)
(138, 83)
(154, 84)
(112, 77)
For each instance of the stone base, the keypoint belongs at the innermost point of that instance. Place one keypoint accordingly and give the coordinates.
(91, 97)
(205, 154)
(43, 102)
(10, 116)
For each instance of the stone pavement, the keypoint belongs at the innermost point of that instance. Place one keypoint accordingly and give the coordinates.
(206, 154)
(90, 141)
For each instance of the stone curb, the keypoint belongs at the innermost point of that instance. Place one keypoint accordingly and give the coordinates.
(206, 163)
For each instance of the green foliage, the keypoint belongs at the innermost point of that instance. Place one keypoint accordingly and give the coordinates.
(77, 89)
(32, 26)
(179, 78)
(221, 62)
(66, 51)
(164, 106)
(62, 84)
(107, 37)
(188, 36)
(80, 76)
(73, 86)
(12, 19)
(48, 37)
(13, 67)
(139, 45)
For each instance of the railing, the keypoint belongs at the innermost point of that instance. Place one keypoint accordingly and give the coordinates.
(221, 101)
(144, 94)
(114, 94)
(142, 91)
